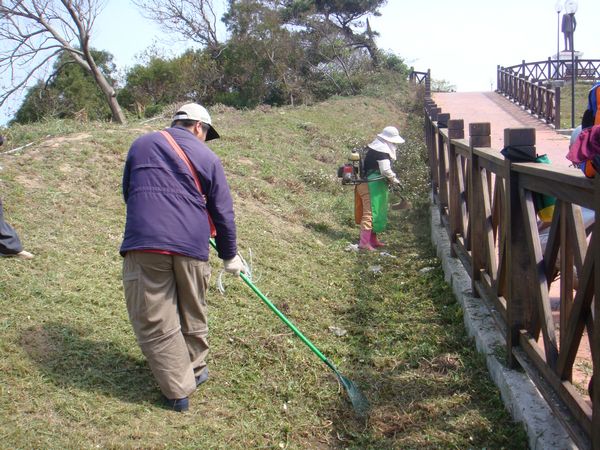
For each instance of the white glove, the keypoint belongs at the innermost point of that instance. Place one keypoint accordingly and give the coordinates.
(234, 265)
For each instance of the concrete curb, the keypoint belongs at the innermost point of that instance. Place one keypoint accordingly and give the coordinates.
(520, 396)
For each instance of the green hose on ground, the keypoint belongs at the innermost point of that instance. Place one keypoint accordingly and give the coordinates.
(359, 401)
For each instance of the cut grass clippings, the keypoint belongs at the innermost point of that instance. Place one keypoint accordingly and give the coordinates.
(72, 375)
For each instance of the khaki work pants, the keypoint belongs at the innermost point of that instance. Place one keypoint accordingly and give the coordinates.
(366, 219)
(166, 303)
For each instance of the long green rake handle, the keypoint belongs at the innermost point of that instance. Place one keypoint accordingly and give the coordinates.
(284, 319)
(359, 401)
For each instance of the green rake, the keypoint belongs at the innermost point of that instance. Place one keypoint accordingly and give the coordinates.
(359, 401)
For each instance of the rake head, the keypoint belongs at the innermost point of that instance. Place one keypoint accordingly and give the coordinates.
(359, 401)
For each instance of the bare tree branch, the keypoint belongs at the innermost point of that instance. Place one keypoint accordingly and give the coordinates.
(34, 32)
(192, 19)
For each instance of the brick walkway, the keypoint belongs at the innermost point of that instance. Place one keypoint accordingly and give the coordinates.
(501, 113)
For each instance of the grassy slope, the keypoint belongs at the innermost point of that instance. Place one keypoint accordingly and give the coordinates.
(582, 89)
(72, 376)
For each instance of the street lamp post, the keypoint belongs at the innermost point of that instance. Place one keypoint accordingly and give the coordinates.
(558, 9)
(571, 9)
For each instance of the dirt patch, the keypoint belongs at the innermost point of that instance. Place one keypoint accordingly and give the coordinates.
(58, 141)
(441, 364)
(29, 181)
(246, 162)
(38, 343)
(142, 130)
(388, 421)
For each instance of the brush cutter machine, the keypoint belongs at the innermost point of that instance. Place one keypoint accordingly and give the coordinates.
(351, 174)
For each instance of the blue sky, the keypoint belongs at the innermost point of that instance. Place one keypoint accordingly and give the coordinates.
(461, 41)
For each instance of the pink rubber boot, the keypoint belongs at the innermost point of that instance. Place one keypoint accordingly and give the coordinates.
(374, 242)
(365, 240)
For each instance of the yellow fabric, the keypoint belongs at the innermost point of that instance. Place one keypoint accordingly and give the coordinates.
(546, 214)
(362, 207)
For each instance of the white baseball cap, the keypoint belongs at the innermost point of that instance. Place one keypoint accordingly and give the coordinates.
(391, 134)
(194, 111)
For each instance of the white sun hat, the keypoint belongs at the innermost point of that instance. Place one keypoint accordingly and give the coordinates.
(391, 134)
(194, 111)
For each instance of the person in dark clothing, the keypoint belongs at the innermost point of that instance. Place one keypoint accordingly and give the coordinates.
(10, 244)
(176, 194)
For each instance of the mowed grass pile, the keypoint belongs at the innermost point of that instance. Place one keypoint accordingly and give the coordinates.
(72, 376)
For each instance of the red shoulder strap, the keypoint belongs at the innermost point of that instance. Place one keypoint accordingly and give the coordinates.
(175, 146)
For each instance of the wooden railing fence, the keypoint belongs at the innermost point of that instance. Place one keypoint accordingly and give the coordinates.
(542, 101)
(487, 206)
(536, 86)
(552, 69)
(422, 78)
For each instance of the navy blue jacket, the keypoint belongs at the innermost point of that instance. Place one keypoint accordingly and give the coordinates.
(165, 211)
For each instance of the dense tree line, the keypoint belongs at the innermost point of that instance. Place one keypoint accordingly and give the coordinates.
(277, 52)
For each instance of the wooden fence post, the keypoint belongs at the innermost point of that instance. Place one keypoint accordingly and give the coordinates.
(499, 84)
(520, 294)
(479, 136)
(456, 130)
(435, 182)
(428, 84)
(557, 107)
(442, 122)
(429, 141)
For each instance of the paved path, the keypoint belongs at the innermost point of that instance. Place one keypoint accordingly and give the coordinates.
(502, 113)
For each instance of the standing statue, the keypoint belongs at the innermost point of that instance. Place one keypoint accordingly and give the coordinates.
(568, 27)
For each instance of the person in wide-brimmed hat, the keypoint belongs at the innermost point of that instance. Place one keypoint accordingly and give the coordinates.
(371, 199)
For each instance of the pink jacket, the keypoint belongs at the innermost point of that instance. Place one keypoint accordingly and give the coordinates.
(586, 146)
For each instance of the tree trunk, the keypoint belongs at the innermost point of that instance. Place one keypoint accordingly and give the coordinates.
(371, 46)
(111, 96)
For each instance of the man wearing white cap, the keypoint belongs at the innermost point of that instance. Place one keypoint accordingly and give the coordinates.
(371, 199)
(177, 196)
